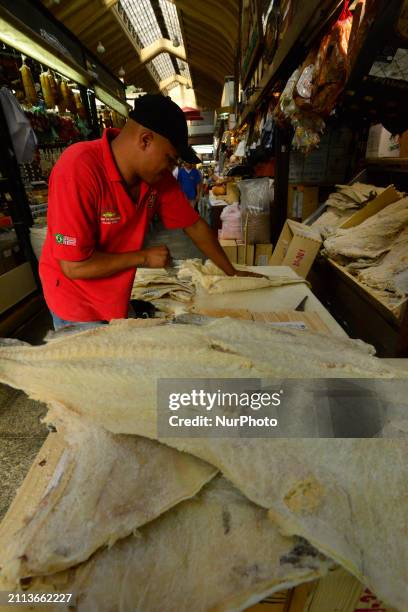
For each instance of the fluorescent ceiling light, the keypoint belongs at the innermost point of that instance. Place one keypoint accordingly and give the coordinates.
(201, 149)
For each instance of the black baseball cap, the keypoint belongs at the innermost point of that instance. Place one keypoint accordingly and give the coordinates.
(161, 115)
(190, 156)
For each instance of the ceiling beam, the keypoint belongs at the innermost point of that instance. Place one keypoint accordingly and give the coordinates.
(109, 3)
(162, 45)
(175, 78)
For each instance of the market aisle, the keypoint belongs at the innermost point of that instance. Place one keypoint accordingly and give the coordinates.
(180, 245)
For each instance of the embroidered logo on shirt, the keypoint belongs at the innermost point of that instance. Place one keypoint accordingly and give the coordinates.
(110, 216)
(65, 240)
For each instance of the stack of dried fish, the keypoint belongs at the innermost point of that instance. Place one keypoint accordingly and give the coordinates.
(376, 252)
(280, 512)
(153, 284)
(343, 203)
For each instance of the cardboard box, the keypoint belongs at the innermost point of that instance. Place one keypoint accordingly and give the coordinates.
(388, 196)
(263, 253)
(250, 254)
(297, 248)
(302, 201)
(230, 249)
(256, 228)
(404, 145)
(241, 252)
(381, 143)
(246, 253)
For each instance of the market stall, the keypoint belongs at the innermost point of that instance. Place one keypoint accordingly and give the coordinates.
(127, 496)
(48, 90)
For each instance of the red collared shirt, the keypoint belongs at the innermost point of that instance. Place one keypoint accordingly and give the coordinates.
(90, 209)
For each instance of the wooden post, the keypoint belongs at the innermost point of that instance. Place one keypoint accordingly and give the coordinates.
(282, 150)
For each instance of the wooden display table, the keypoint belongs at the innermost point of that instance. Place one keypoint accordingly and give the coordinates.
(271, 299)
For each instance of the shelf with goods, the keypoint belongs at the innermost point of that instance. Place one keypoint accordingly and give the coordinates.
(51, 80)
(318, 147)
(17, 276)
(296, 23)
(55, 109)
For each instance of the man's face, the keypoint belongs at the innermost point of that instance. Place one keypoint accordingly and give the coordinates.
(188, 166)
(159, 156)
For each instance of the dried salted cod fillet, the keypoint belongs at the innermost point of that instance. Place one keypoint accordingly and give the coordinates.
(329, 221)
(217, 551)
(154, 284)
(391, 274)
(348, 496)
(359, 192)
(88, 488)
(213, 280)
(372, 238)
(110, 373)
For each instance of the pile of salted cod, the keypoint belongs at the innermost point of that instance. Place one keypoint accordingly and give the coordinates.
(342, 204)
(126, 522)
(376, 251)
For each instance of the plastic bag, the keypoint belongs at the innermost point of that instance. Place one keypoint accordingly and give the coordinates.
(307, 132)
(256, 195)
(332, 64)
(286, 106)
(231, 223)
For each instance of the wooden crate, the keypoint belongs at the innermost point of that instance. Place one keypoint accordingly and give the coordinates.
(374, 296)
(311, 320)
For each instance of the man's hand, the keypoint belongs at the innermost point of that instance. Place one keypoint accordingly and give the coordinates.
(247, 273)
(156, 256)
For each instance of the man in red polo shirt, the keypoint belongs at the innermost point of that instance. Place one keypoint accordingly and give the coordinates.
(102, 197)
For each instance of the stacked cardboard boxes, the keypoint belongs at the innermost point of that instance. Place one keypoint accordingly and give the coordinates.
(302, 201)
(247, 254)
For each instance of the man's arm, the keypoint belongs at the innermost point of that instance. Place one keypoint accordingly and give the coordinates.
(103, 265)
(203, 237)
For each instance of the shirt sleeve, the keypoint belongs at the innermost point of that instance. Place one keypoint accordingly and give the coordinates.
(72, 210)
(174, 209)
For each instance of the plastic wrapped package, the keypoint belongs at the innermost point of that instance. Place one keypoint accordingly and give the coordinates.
(308, 129)
(256, 195)
(28, 85)
(332, 64)
(302, 93)
(286, 107)
(231, 223)
(47, 90)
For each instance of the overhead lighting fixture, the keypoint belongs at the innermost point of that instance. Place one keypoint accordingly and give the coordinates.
(176, 42)
(121, 72)
(100, 48)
